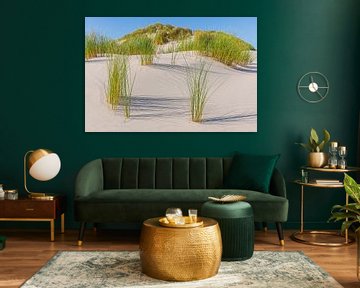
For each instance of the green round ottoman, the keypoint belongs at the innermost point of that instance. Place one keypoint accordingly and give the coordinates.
(236, 221)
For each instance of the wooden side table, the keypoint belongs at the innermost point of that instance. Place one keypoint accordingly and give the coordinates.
(26, 209)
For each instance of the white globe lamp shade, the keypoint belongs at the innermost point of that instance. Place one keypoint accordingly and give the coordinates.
(44, 164)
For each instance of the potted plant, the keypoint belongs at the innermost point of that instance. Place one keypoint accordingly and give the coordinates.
(350, 214)
(317, 157)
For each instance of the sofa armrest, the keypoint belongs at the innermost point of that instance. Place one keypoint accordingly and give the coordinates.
(89, 179)
(277, 184)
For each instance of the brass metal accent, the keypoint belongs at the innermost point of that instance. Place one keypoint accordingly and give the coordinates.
(180, 254)
(296, 237)
(313, 184)
(324, 169)
(36, 155)
(79, 243)
(282, 242)
(30, 158)
(188, 224)
(317, 159)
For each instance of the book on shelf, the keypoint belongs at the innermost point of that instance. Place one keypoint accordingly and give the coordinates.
(327, 181)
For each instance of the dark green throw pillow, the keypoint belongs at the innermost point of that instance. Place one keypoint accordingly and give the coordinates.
(251, 172)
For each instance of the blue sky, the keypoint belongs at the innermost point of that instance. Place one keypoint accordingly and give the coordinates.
(115, 27)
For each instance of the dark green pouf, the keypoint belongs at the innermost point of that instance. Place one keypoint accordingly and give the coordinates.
(236, 221)
(2, 242)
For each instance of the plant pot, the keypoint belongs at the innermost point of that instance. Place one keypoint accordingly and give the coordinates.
(317, 159)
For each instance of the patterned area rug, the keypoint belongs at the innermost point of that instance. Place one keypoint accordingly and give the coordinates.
(122, 269)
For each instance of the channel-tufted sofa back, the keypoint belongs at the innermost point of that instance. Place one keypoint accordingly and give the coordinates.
(164, 173)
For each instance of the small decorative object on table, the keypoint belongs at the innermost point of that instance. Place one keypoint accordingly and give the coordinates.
(304, 176)
(228, 198)
(333, 162)
(342, 154)
(317, 158)
(11, 194)
(186, 223)
(173, 215)
(2, 192)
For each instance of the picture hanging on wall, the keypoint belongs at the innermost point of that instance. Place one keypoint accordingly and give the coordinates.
(170, 74)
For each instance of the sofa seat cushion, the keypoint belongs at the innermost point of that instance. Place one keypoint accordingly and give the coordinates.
(266, 207)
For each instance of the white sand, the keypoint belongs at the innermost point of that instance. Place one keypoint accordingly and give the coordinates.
(160, 101)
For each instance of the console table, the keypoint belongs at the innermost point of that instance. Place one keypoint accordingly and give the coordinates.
(27, 209)
(297, 235)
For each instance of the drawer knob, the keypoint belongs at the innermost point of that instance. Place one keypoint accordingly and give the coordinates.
(29, 209)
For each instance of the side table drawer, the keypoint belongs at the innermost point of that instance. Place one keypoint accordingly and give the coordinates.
(30, 209)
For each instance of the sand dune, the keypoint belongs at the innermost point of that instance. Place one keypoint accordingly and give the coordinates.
(160, 101)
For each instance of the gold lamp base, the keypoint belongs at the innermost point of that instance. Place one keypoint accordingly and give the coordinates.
(41, 196)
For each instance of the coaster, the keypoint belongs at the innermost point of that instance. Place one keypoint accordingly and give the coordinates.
(2, 242)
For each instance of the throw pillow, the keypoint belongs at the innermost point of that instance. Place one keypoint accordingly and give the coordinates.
(251, 172)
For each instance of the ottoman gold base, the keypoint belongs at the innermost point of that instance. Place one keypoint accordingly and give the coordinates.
(185, 254)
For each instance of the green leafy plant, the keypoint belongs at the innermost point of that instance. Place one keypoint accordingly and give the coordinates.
(314, 144)
(349, 214)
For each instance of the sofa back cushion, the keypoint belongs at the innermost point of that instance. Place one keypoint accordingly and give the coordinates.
(165, 173)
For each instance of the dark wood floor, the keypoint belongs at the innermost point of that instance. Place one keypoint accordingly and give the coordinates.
(28, 250)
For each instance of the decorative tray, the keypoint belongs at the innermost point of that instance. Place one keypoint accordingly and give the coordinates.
(228, 198)
(165, 222)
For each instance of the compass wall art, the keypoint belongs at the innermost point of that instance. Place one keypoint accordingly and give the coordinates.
(313, 87)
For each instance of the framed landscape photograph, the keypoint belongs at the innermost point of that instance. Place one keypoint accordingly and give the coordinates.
(170, 74)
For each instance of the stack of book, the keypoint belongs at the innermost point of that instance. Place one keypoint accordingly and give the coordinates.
(327, 181)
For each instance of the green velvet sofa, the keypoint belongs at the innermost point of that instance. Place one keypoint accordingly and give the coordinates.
(130, 190)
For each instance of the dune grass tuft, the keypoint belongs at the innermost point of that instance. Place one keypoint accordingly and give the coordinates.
(120, 84)
(223, 47)
(140, 45)
(97, 45)
(198, 89)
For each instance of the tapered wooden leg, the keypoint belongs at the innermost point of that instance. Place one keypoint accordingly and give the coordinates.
(52, 230)
(280, 233)
(81, 233)
(95, 228)
(265, 227)
(63, 223)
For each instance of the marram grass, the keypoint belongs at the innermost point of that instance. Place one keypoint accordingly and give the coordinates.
(120, 84)
(97, 45)
(198, 89)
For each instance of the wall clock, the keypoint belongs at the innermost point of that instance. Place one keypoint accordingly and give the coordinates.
(313, 87)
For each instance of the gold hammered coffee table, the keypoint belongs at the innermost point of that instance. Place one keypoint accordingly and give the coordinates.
(180, 254)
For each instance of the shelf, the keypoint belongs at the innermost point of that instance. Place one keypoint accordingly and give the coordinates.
(348, 169)
(313, 184)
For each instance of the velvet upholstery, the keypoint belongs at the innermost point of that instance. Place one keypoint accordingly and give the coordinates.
(134, 189)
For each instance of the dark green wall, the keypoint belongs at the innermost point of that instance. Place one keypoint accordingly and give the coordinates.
(42, 88)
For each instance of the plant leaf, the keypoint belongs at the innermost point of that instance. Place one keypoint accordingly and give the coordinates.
(321, 146)
(314, 135)
(326, 136)
(352, 188)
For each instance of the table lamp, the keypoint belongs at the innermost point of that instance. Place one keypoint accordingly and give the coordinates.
(43, 165)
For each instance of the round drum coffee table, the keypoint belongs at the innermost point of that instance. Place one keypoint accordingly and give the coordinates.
(180, 254)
